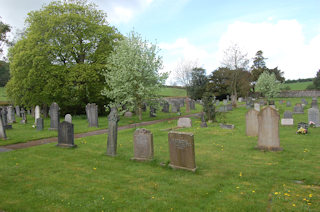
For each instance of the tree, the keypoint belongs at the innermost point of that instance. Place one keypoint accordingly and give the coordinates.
(316, 81)
(235, 59)
(4, 29)
(268, 85)
(60, 56)
(183, 72)
(198, 83)
(4, 73)
(208, 106)
(132, 74)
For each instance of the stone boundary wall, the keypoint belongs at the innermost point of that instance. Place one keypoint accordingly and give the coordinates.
(304, 93)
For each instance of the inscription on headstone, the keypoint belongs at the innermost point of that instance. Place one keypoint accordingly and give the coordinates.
(143, 145)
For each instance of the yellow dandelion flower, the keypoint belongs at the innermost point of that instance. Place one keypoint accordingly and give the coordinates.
(253, 191)
(94, 168)
(152, 197)
(309, 203)
(297, 195)
(294, 205)
(304, 199)
(241, 192)
(237, 187)
(276, 193)
(102, 198)
(240, 174)
(310, 195)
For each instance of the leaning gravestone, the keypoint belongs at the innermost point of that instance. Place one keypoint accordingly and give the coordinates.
(181, 148)
(11, 116)
(252, 124)
(313, 115)
(68, 118)
(257, 106)
(184, 122)
(3, 135)
(36, 113)
(39, 124)
(54, 116)
(287, 119)
(165, 107)
(268, 133)
(18, 111)
(288, 104)
(143, 145)
(66, 135)
(92, 114)
(113, 120)
(298, 109)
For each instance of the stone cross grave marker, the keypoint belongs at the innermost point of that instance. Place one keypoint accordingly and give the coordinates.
(143, 145)
(181, 148)
(39, 124)
(184, 122)
(54, 116)
(66, 135)
(68, 118)
(252, 124)
(92, 114)
(268, 133)
(313, 115)
(113, 120)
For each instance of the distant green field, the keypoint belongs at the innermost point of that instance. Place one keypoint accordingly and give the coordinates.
(3, 95)
(299, 85)
(173, 92)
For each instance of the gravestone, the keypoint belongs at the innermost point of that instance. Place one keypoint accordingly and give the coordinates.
(268, 133)
(223, 109)
(225, 102)
(153, 112)
(113, 120)
(252, 123)
(3, 134)
(143, 145)
(18, 111)
(11, 118)
(128, 114)
(175, 107)
(217, 102)
(54, 116)
(24, 117)
(287, 119)
(192, 104)
(36, 113)
(184, 122)
(187, 103)
(298, 109)
(227, 126)
(39, 124)
(4, 115)
(181, 148)
(229, 107)
(66, 135)
(203, 121)
(240, 99)
(313, 115)
(68, 118)
(314, 103)
(288, 104)
(249, 103)
(257, 106)
(92, 114)
(165, 107)
(303, 101)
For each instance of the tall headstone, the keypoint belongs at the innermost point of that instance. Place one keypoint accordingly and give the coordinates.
(113, 119)
(18, 111)
(142, 145)
(268, 133)
(24, 117)
(92, 114)
(313, 115)
(39, 124)
(3, 134)
(181, 148)
(287, 119)
(252, 123)
(165, 107)
(66, 135)
(257, 106)
(4, 116)
(11, 115)
(68, 118)
(298, 109)
(314, 103)
(184, 122)
(36, 113)
(187, 103)
(203, 121)
(54, 116)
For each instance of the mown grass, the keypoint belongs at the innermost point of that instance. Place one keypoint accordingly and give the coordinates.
(298, 85)
(3, 94)
(25, 132)
(165, 91)
(232, 175)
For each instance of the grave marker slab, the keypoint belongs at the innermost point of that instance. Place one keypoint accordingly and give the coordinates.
(92, 114)
(54, 116)
(143, 145)
(3, 134)
(252, 123)
(11, 118)
(313, 115)
(298, 109)
(165, 107)
(66, 135)
(184, 122)
(36, 113)
(18, 111)
(39, 124)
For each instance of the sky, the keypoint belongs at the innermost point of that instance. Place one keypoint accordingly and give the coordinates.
(199, 31)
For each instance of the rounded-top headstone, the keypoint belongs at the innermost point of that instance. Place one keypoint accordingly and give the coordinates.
(68, 118)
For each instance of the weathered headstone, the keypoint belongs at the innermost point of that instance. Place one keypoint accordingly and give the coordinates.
(153, 112)
(298, 109)
(18, 111)
(54, 116)
(229, 107)
(143, 145)
(24, 117)
(4, 115)
(187, 103)
(92, 114)
(252, 123)
(203, 121)
(192, 104)
(68, 118)
(113, 120)
(288, 104)
(225, 102)
(257, 106)
(240, 99)
(249, 103)
(287, 114)
(181, 148)
(11, 118)
(287, 119)
(165, 107)
(314, 103)
(184, 122)
(268, 133)
(128, 114)
(3, 134)
(66, 135)
(175, 107)
(36, 113)
(313, 116)
(223, 109)
(39, 124)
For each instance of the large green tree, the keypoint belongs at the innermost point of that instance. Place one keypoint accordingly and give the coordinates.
(198, 83)
(316, 81)
(4, 73)
(268, 85)
(4, 29)
(60, 56)
(132, 75)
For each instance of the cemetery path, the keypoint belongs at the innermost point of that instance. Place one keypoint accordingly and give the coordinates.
(86, 134)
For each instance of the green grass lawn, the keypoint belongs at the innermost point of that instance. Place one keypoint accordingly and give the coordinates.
(3, 95)
(231, 176)
(165, 91)
(298, 85)
(25, 132)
